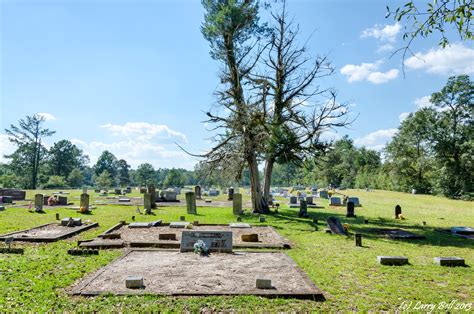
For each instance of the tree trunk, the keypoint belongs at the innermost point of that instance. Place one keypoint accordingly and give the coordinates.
(267, 179)
(259, 205)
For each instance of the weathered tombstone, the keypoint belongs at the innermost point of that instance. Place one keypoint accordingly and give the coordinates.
(152, 192)
(84, 203)
(358, 239)
(147, 202)
(309, 200)
(293, 199)
(6, 199)
(449, 261)
(398, 211)
(230, 194)
(118, 191)
(62, 200)
(335, 201)
(216, 241)
(237, 204)
(262, 219)
(335, 226)
(39, 202)
(263, 283)
(392, 260)
(198, 192)
(350, 209)
(303, 209)
(354, 200)
(191, 203)
(134, 282)
(323, 194)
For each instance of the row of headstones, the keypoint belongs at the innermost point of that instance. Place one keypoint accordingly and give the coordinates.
(41, 200)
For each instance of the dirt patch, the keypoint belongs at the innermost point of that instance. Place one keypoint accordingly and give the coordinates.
(175, 273)
(150, 237)
(47, 233)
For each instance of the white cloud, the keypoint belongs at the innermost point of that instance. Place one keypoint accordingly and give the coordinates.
(46, 116)
(423, 102)
(375, 140)
(385, 48)
(455, 59)
(368, 71)
(387, 33)
(144, 131)
(403, 116)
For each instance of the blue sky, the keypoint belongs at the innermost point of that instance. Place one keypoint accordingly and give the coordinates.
(134, 77)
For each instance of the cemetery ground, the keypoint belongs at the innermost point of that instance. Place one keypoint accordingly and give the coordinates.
(41, 278)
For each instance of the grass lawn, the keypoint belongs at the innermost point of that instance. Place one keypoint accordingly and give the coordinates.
(349, 275)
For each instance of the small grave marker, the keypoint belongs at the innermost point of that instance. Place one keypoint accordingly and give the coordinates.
(191, 203)
(303, 209)
(335, 201)
(449, 261)
(398, 211)
(134, 282)
(198, 192)
(180, 224)
(263, 283)
(230, 194)
(392, 260)
(358, 239)
(139, 225)
(350, 210)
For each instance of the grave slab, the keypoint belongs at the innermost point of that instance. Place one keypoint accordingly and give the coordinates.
(449, 261)
(392, 260)
(47, 233)
(188, 274)
(179, 224)
(397, 234)
(239, 225)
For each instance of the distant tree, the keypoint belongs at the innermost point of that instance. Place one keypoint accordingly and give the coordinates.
(64, 156)
(175, 177)
(123, 172)
(454, 136)
(104, 180)
(410, 152)
(55, 182)
(145, 174)
(27, 159)
(107, 162)
(75, 178)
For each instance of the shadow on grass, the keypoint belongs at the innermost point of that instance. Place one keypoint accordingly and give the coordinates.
(432, 236)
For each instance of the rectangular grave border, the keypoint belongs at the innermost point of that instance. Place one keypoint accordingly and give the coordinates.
(385, 232)
(285, 244)
(47, 239)
(317, 294)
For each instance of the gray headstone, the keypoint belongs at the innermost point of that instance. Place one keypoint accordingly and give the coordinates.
(449, 261)
(334, 224)
(147, 202)
(309, 200)
(237, 204)
(335, 201)
(350, 209)
(198, 192)
(139, 225)
(230, 194)
(354, 200)
(323, 194)
(152, 192)
(39, 201)
(191, 203)
(303, 209)
(84, 201)
(293, 199)
(216, 241)
(134, 282)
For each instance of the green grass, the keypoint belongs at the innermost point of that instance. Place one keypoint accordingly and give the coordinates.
(350, 276)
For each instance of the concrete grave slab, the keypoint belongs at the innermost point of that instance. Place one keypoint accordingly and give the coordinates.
(188, 274)
(449, 261)
(47, 233)
(392, 260)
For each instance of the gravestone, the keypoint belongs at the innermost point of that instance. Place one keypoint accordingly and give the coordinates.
(303, 209)
(17, 195)
(6, 199)
(39, 202)
(335, 201)
(237, 204)
(118, 191)
(198, 192)
(179, 224)
(323, 194)
(309, 200)
(152, 192)
(230, 194)
(216, 241)
(213, 192)
(354, 200)
(134, 282)
(358, 239)
(2, 208)
(191, 203)
(147, 202)
(263, 283)
(139, 225)
(335, 226)
(62, 200)
(293, 199)
(350, 210)
(398, 211)
(167, 236)
(392, 260)
(84, 190)
(84, 203)
(449, 261)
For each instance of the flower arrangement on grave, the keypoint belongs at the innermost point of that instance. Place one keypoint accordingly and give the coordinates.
(400, 216)
(201, 248)
(346, 227)
(83, 209)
